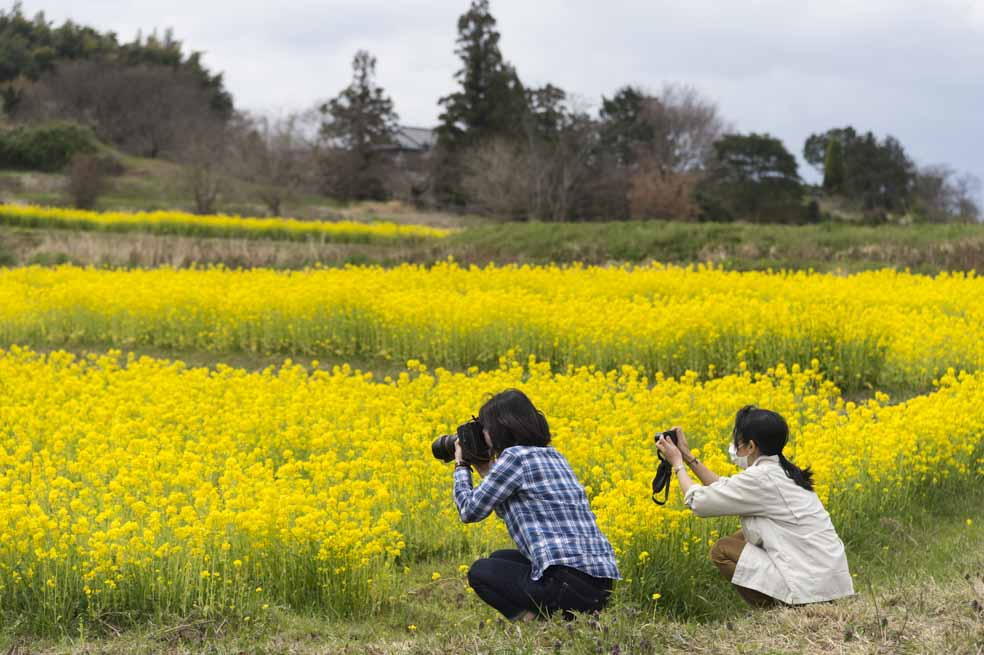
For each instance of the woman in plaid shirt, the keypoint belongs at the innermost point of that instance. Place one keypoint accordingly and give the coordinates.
(562, 562)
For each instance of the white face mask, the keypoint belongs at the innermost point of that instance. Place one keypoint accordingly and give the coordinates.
(741, 461)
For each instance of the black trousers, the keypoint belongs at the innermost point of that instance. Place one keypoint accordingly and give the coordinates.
(503, 581)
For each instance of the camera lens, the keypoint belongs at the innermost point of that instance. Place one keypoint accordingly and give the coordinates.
(443, 447)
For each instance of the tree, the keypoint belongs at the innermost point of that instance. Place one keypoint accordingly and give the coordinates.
(751, 177)
(815, 147)
(657, 194)
(622, 126)
(31, 49)
(205, 154)
(833, 168)
(940, 194)
(491, 102)
(560, 140)
(673, 130)
(661, 143)
(880, 175)
(146, 110)
(356, 123)
(496, 179)
(273, 155)
(87, 181)
(540, 176)
(546, 113)
(876, 174)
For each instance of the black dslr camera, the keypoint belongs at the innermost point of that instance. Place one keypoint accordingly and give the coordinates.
(664, 472)
(473, 447)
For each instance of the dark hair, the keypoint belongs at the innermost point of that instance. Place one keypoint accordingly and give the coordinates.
(512, 420)
(770, 432)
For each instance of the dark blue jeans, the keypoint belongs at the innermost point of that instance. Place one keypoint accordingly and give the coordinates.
(503, 581)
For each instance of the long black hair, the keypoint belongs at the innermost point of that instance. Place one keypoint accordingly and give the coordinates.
(512, 420)
(770, 431)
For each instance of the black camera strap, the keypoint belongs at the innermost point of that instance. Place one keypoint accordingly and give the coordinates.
(661, 482)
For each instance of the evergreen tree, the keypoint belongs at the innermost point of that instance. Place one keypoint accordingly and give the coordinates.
(815, 148)
(833, 168)
(31, 49)
(878, 175)
(491, 102)
(751, 177)
(622, 126)
(547, 114)
(355, 124)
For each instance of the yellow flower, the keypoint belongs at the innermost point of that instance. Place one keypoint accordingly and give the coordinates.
(170, 222)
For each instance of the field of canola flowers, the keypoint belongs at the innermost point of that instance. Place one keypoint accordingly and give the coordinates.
(145, 487)
(172, 222)
(872, 330)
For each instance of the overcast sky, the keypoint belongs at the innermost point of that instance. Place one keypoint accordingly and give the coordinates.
(909, 68)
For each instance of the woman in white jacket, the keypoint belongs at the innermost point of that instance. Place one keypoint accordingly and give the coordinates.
(787, 550)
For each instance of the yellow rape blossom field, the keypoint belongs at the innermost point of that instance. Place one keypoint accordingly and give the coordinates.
(173, 222)
(877, 330)
(146, 487)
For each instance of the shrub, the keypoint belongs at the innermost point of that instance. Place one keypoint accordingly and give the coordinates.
(48, 147)
(86, 180)
(663, 195)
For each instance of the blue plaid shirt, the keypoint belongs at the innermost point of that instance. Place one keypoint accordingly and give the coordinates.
(545, 509)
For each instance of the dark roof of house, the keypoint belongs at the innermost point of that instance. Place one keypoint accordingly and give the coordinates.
(415, 138)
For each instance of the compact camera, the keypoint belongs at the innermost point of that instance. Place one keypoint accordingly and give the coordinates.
(664, 472)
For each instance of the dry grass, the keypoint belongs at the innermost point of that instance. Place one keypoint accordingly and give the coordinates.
(149, 250)
(929, 617)
(924, 249)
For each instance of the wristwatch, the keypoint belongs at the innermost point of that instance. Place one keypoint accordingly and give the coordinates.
(462, 465)
(679, 468)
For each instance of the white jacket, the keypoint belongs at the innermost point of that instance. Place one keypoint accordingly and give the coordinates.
(793, 551)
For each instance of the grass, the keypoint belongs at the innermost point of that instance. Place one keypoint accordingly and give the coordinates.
(920, 580)
(829, 246)
(924, 248)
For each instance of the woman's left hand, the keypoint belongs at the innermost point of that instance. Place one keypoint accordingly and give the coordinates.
(670, 452)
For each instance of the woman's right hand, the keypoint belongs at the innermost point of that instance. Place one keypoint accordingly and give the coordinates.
(681, 442)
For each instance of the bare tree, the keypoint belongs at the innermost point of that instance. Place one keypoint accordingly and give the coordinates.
(496, 179)
(558, 165)
(145, 110)
(684, 126)
(968, 193)
(652, 148)
(943, 195)
(275, 155)
(205, 153)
